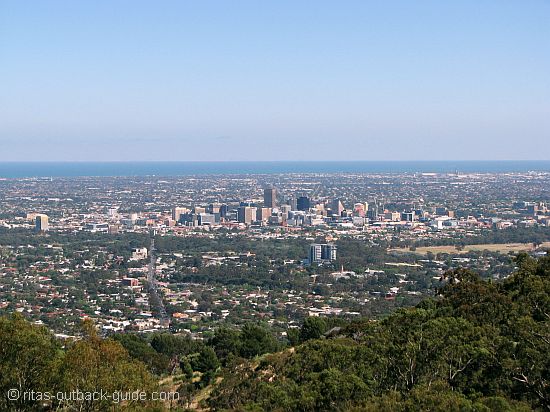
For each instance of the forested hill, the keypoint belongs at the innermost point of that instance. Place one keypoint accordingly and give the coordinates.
(478, 346)
(481, 346)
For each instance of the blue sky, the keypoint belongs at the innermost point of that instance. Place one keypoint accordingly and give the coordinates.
(280, 80)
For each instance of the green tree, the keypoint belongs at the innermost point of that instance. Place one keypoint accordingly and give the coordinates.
(313, 328)
(226, 343)
(256, 340)
(206, 360)
(94, 364)
(139, 349)
(29, 361)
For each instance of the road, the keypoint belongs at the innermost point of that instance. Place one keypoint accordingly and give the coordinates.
(155, 301)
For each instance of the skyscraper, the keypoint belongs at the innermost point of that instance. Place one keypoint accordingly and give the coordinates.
(263, 213)
(372, 212)
(303, 203)
(224, 209)
(337, 207)
(270, 197)
(177, 212)
(42, 223)
(246, 214)
(319, 253)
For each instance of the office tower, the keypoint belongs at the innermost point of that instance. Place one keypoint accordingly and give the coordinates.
(293, 203)
(270, 197)
(188, 219)
(408, 216)
(320, 253)
(42, 223)
(112, 212)
(440, 211)
(213, 208)
(393, 216)
(372, 213)
(224, 209)
(328, 252)
(263, 213)
(337, 207)
(359, 209)
(177, 212)
(532, 208)
(303, 203)
(315, 253)
(284, 210)
(206, 219)
(246, 214)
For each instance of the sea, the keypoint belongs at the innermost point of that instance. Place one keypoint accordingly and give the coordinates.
(79, 169)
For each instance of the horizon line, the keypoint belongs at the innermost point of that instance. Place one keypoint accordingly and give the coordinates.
(275, 161)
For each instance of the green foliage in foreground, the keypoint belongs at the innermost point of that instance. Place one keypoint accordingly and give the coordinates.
(480, 346)
(35, 365)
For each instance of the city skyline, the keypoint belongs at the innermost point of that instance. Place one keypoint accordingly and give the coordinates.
(279, 206)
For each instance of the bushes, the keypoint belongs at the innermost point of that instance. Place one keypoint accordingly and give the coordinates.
(31, 360)
(481, 346)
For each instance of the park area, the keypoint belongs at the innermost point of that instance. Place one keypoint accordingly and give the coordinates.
(492, 247)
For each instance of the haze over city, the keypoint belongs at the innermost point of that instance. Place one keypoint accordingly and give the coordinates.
(243, 80)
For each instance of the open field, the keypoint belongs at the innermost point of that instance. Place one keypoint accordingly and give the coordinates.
(493, 247)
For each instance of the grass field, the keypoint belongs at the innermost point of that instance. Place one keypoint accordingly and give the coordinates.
(493, 247)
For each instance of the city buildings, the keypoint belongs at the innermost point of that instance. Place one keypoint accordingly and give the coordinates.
(42, 223)
(270, 197)
(337, 207)
(303, 203)
(177, 212)
(321, 253)
(228, 257)
(246, 214)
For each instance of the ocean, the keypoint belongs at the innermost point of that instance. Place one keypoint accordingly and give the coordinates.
(76, 169)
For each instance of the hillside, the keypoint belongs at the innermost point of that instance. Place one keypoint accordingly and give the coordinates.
(480, 346)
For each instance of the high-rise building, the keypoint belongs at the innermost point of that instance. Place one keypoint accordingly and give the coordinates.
(270, 197)
(408, 216)
(440, 211)
(42, 223)
(224, 209)
(246, 214)
(303, 203)
(315, 251)
(284, 210)
(213, 208)
(206, 219)
(320, 253)
(177, 212)
(359, 209)
(293, 203)
(112, 212)
(372, 212)
(263, 213)
(337, 207)
(532, 208)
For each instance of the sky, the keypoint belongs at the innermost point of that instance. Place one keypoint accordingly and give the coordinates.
(128, 80)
